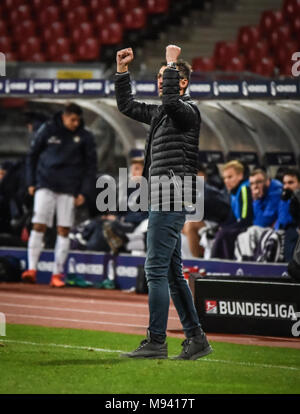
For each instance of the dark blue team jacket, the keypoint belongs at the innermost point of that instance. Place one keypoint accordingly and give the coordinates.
(61, 160)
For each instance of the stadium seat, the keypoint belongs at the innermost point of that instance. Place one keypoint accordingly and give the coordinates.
(157, 6)
(236, 64)
(54, 31)
(84, 31)
(290, 9)
(104, 18)
(99, 21)
(98, 5)
(6, 44)
(67, 58)
(88, 49)
(279, 36)
(110, 14)
(256, 53)
(11, 57)
(24, 30)
(286, 69)
(28, 48)
(125, 6)
(270, 20)
(49, 15)
(203, 64)
(12, 4)
(265, 67)
(285, 52)
(112, 34)
(38, 5)
(76, 16)
(135, 19)
(21, 13)
(248, 36)
(3, 28)
(224, 51)
(58, 48)
(295, 25)
(38, 57)
(68, 5)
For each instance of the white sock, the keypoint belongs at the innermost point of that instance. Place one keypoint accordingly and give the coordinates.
(62, 247)
(35, 246)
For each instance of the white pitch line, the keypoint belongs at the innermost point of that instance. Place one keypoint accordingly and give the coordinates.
(250, 364)
(77, 310)
(88, 301)
(87, 348)
(51, 318)
(65, 299)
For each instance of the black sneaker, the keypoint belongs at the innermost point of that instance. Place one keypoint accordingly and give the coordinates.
(194, 348)
(149, 349)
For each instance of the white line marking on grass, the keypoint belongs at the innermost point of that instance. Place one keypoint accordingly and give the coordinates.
(88, 348)
(65, 299)
(85, 348)
(78, 310)
(74, 320)
(249, 364)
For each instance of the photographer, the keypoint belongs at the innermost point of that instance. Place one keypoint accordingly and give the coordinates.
(288, 211)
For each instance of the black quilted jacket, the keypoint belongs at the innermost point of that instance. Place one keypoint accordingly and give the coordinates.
(172, 143)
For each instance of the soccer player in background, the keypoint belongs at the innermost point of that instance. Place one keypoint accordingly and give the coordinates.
(61, 168)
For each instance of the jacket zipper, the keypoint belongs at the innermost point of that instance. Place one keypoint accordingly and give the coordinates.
(173, 177)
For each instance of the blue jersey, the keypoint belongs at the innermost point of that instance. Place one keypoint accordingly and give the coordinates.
(266, 208)
(241, 204)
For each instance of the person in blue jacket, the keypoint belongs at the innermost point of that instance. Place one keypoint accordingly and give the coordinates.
(266, 194)
(241, 204)
(61, 168)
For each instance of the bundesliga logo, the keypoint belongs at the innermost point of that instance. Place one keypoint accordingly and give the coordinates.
(211, 306)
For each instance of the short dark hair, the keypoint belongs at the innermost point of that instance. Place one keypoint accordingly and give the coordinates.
(293, 173)
(72, 108)
(183, 67)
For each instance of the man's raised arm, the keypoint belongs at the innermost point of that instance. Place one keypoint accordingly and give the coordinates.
(126, 104)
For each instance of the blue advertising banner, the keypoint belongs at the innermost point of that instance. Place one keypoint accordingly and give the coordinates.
(95, 267)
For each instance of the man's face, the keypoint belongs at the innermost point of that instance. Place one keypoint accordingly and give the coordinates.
(257, 184)
(2, 174)
(71, 121)
(183, 83)
(231, 178)
(136, 170)
(290, 183)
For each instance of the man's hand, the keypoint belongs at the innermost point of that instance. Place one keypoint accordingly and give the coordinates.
(79, 200)
(31, 190)
(124, 57)
(172, 53)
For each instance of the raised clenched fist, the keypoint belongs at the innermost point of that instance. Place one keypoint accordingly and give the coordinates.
(124, 57)
(172, 53)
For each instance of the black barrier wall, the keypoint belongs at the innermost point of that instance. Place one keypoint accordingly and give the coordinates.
(248, 307)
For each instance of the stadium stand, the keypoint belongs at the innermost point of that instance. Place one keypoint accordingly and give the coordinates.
(264, 48)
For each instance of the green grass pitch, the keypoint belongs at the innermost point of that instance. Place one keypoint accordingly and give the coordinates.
(38, 360)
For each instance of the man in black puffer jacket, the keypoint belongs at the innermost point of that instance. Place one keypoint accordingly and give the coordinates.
(171, 150)
(61, 170)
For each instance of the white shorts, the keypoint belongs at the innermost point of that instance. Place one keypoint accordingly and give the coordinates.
(47, 203)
